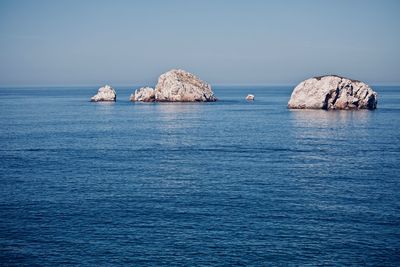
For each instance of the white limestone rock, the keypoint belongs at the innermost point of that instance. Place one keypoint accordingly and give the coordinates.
(105, 93)
(332, 92)
(182, 86)
(144, 94)
(250, 97)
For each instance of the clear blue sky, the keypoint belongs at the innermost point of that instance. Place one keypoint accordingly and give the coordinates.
(224, 42)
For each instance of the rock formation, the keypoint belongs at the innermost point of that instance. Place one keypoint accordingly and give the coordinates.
(106, 93)
(332, 92)
(182, 86)
(144, 94)
(250, 97)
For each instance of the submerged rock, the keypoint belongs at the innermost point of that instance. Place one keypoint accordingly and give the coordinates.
(144, 94)
(182, 86)
(250, 97)
(105, 93)
(332, 92)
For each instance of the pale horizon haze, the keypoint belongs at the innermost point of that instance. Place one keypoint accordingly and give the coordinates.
(44, 43)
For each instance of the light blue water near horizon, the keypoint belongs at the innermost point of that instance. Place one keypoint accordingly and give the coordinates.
(221, 183)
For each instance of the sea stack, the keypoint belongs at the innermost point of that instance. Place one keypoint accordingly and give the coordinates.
(144, 94)
(250, 97)
(182, 86)
(332, 92)
(105, 93)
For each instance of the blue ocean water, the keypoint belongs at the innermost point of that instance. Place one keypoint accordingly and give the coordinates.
(224, 183)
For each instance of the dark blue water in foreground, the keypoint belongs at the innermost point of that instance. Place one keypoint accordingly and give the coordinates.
(220, 183)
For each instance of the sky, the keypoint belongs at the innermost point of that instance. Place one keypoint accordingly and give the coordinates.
(93, 42)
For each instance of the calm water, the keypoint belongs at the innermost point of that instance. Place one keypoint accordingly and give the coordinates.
(219, 183)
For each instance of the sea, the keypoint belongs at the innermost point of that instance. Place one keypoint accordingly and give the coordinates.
(229, 183)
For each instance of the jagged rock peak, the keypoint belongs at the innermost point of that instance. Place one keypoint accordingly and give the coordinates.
(105, 93)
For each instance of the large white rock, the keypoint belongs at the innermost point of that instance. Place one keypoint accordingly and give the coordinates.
(144, 94)
(182, 86)
(105, 93)
(332, 92)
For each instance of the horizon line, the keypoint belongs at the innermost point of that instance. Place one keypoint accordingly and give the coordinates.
(143, 84)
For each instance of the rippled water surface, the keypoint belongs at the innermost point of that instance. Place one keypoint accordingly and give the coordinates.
(220, 183)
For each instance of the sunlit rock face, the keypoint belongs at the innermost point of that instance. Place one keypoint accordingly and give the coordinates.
(144, 94)
(332, 92)
(182, 86)
(250, 97)
(105, 93)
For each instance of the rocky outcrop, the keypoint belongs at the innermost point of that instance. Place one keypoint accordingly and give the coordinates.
(144, 94)
(105, 93)
(332, 92)
(182, 86)
(250, 97)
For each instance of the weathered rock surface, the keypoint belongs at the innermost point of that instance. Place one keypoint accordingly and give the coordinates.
(182, 86)
(250, 97)
(144, 94)
(105, 93)
(332, 92)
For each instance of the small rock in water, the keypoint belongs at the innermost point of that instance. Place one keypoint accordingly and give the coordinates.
(144, 94)
(250, 97)
(105, 93)
(332, 92)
